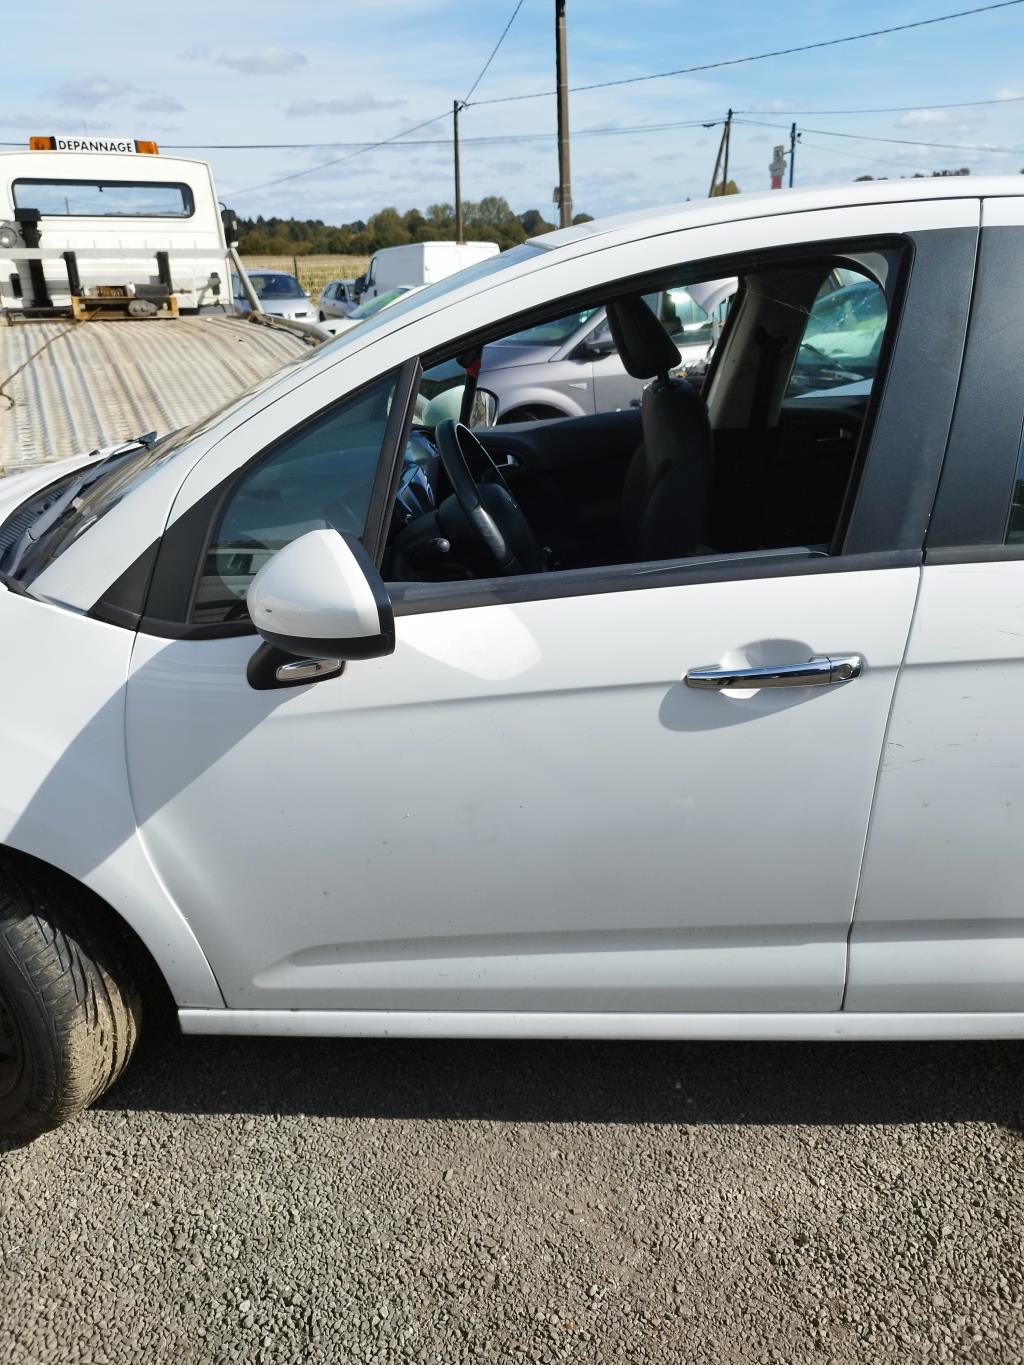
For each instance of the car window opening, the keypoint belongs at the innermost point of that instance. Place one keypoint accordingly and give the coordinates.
(754, 450)
(712, 417)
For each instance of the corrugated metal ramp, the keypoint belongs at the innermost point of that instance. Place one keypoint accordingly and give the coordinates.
(70, 387)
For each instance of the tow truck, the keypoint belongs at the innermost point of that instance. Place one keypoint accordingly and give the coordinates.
(116, 300)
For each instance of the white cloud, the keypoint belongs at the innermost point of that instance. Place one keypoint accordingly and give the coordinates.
(159, 104)
(924, 118)
(99, 91)
(354, 104)
(90, 93)
(270, 60)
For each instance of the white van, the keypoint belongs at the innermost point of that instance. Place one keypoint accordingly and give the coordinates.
(420, 263)
(78, 215)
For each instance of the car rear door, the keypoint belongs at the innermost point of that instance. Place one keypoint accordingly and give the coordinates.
(939, 923)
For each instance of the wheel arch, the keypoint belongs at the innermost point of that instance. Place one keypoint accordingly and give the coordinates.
(533, 395)
(169, 955)
(541, 411)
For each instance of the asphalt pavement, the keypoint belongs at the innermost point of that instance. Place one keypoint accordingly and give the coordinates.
(331, 1202)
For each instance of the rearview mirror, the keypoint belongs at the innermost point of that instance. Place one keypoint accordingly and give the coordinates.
(321, 598)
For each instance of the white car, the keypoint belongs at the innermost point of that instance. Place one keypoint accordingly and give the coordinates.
(693, 721)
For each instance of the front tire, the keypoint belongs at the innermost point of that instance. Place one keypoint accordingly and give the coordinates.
(323, 316)
(70, 1004)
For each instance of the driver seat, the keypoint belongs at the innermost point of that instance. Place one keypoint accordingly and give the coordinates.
(667, 493)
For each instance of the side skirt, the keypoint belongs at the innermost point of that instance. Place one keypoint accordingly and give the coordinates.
(836, 1027)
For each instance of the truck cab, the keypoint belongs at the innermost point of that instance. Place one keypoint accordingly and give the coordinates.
(90, 218)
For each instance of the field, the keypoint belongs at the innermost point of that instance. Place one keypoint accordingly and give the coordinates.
(313, 271)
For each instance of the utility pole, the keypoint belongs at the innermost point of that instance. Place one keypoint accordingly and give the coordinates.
(718, 162)
(728, 140)
(723, 151)
(562, 73)
(792, 151)
(458, 176)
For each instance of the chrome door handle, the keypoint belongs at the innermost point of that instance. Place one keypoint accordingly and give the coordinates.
(821, 671)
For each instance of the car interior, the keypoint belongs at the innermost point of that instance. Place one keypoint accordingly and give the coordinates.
(760, 456)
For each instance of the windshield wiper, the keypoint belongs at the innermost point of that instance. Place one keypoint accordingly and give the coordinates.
(49, 516)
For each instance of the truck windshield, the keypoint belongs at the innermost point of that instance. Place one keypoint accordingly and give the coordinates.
(103, 198)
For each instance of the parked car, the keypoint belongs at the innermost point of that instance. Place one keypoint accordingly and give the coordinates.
(697, 720)
(571, 366)
(370, 309)
(279, 293)
(842, 343)
(337, 299)
(419, 263)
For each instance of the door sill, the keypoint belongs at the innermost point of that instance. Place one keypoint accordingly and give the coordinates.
(835, 1026)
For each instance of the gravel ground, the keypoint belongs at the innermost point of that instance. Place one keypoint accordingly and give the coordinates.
(447, 1202)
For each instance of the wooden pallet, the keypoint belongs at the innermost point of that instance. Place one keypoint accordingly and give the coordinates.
(117, 307)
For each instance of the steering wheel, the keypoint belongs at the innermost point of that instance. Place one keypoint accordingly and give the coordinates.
(486, 503)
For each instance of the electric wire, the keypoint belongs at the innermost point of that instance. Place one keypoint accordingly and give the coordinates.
(897, 141)
(491, 58)
(895, 109)
(760, 56)
(337, 161)
(484, 140)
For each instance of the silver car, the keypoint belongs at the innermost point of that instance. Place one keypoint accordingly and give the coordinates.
(570, 367)
(279, 293)
(338, 298)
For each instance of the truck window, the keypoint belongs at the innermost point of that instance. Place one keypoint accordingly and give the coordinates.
(103, 198)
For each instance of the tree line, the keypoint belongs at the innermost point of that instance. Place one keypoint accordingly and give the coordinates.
(490, 219)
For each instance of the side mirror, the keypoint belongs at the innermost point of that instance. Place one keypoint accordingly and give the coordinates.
(485, 409)
(227, 217)
(600, 344)
(321, 601)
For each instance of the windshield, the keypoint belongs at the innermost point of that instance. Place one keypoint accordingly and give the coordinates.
(367, 310)
(276, 286)
(124, 472)
(103, 486)
(549, 333)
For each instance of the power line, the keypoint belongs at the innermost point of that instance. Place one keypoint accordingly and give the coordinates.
(323, 165)
(491, 58)
(898, 141)
(493, 139)
(856, 156)
(762, 56)
(897, 109)
(383, 142)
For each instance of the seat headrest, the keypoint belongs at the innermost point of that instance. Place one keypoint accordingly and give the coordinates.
(645, 348)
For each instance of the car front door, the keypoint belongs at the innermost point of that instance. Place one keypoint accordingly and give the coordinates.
(526, 809)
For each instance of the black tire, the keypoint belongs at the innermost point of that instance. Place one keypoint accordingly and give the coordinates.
(528, 414)
(323, 317)
(70, 1003)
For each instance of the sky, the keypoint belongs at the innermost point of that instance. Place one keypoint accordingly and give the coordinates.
(356, 71)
